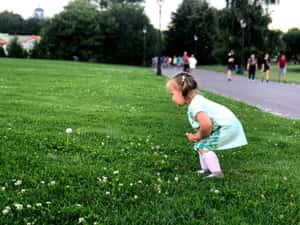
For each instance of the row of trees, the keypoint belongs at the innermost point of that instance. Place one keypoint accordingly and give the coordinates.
(112, 31)
(12, 23)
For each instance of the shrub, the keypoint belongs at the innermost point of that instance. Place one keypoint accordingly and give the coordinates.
(15, 49)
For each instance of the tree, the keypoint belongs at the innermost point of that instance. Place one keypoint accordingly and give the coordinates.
(33, 25)
(74, 32)
(11, 23)
(104, 4)
(15, 49)
(123, 31)
(193, 28)
(292, 41)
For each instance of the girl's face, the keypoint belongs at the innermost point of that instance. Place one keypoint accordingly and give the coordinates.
(176, 94)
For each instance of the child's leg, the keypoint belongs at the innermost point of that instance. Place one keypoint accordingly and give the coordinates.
(212, 162)
(203, 165)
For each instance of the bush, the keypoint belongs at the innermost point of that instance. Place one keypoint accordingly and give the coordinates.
(2, 53)
(15, 49)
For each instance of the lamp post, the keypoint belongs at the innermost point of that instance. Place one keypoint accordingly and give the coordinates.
(160, 4)
(243, 26)
(144, 32)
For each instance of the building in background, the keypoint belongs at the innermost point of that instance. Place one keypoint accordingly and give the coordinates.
(39, 13)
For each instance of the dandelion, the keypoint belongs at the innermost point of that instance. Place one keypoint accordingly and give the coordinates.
(284, 178)
(107, 193)
(18, 206)
(42, 182)
(68, 131)
(28, 223)
(48, 203)
(6, 210)
(95, 223)
(140, 182)
(28, 206)
(3, 188)
(80, 220)
(120, 184)
(23, 190)
(116, 172)
(131, 184)
(18, 183)
(102, 143)
(136, 197)
(52, 183)
(38, 204)
(176, 179)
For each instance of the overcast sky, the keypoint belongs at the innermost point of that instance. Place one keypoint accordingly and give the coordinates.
(284, 16)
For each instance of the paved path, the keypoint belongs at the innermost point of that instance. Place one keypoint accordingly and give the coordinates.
(278, 98)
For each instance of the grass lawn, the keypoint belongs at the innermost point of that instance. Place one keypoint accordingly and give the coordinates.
(127, 161)
(293, 72)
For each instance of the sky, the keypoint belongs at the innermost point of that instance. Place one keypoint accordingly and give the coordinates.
(286, 15)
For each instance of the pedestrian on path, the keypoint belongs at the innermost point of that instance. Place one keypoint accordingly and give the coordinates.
(185, 61)
(230, 64)
(216, 126)
(252, 66)
(266, 68)
(193, 63)
(282, 70)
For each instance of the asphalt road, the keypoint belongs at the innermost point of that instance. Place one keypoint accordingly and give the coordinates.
(279, 98)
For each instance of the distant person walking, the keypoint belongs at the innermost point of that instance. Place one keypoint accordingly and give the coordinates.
(266, 68)
(282, 70)
(230, 64)
(193, 63)
(186, 63)
(252, 66)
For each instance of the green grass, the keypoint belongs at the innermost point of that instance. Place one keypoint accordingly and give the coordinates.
(293, 72)
(128, 161)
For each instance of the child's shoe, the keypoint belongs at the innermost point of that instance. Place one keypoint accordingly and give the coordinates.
(202, 172)
(215, 175)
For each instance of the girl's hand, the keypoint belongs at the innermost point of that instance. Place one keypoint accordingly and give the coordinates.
(193, 137)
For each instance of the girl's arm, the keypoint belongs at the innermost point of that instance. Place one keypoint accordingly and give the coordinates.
(204, 130)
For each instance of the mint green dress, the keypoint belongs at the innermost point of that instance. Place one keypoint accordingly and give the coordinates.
(227, 130)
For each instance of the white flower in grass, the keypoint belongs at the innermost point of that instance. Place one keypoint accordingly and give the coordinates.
(52, 183)
(28, 223)
(121, 185)
(216, 191)
(136, 197)
(48, 203)
(42, 182)
(176, 179)
(28, 206)
(131, 184)
(107, 193)
(80, 220)
(78, 205)
(116, 172)
(140, 182)
(6, 210)
(95, 223)
(69, 130)
(23, 190)
(3, 188)
(18, 183)
(18, 206)
(38, 204)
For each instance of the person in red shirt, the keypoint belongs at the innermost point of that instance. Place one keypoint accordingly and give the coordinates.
(282, 64)
(186, 63)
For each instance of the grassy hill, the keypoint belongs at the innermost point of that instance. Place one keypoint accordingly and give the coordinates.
(127, 161)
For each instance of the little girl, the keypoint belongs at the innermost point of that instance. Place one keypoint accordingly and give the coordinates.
(216, 126)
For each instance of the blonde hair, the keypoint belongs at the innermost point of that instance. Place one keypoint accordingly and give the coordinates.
(185, 83)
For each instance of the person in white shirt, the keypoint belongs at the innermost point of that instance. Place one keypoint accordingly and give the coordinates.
(193, 63)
